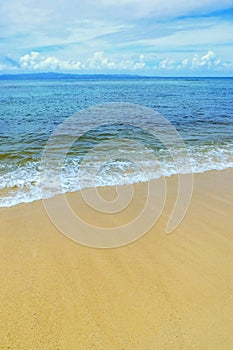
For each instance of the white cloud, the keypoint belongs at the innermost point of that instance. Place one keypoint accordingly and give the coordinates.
(208, 57)
(227, 66)
(208, 60)
(184, 63)
(166, 64)
(99, 62)
(35, 61)
(195, 63)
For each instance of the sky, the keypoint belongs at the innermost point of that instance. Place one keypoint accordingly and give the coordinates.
(145, 37)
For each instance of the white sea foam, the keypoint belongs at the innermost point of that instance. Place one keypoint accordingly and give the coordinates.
(23, 184)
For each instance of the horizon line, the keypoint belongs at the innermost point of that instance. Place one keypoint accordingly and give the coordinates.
(5, 75)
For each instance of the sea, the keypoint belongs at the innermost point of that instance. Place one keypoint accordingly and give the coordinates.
(109, 149)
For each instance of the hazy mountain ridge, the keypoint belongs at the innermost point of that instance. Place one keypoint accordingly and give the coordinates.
(52, 75)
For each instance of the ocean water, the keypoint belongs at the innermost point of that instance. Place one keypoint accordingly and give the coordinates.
(201, 110)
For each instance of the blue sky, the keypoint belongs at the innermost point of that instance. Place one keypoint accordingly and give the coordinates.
(149, 37)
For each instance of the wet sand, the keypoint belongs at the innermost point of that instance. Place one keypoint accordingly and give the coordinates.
(160, 292)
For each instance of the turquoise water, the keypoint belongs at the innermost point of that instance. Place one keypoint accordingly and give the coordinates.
(201, 110)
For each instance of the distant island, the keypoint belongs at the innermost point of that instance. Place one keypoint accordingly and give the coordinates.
(61, 76)
(53, 75)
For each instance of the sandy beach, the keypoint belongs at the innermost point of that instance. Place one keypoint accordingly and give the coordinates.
(160, 292)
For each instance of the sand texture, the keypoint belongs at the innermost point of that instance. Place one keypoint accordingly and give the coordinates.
(160, 292)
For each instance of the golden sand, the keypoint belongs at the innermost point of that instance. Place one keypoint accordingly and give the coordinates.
(160, 292)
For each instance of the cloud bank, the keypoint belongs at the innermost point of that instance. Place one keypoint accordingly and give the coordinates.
(100, 63)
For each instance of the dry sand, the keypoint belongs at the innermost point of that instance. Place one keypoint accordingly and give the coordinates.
(160, 292)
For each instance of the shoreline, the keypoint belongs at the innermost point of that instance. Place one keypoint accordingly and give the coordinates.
(162, 291)
(121, 185)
